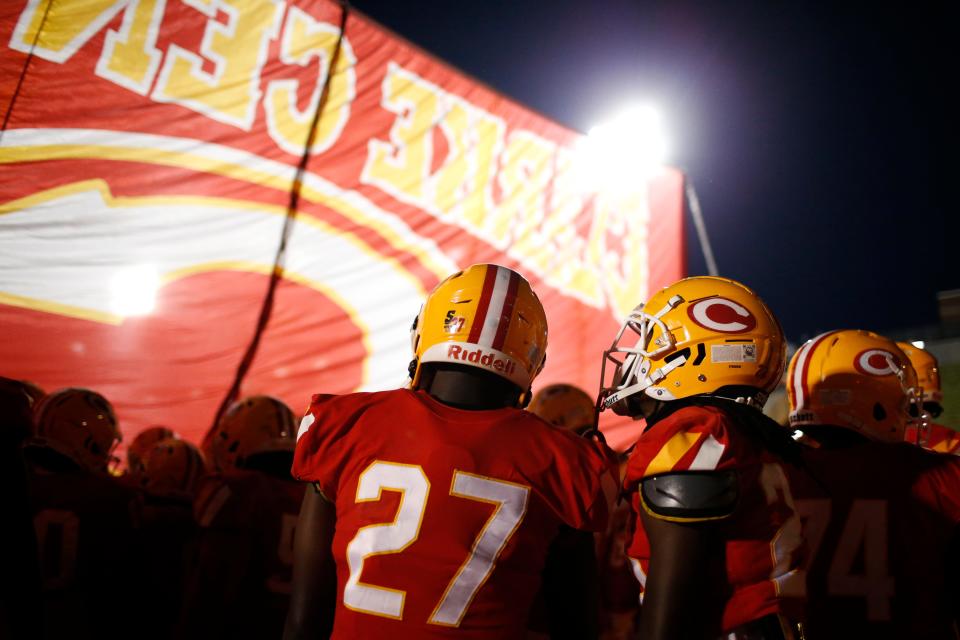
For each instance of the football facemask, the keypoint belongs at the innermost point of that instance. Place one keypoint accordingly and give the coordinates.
(694, 337)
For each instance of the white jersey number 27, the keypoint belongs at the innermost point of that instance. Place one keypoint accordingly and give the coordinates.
(510, 505)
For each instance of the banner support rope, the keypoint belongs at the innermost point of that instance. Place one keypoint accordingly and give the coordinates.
(23, 72)
(276, 274)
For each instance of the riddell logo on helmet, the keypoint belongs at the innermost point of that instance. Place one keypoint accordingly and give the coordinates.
(483, 358)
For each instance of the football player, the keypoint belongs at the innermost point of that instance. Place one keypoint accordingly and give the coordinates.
(141, 445)
(930, 435)
(881, 520)
(569, 407)
(167, 473)
(565, 406)
(20, 583)
(433, 508)
(247, 513)
(85, 520)
(717, 541)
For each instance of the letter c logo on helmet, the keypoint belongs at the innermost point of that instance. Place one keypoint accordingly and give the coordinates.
(876, 362)
(722, 315)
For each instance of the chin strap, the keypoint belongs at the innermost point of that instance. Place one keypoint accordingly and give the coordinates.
(656, 376)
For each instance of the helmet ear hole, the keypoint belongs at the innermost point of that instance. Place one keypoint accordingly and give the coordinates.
(879, 413)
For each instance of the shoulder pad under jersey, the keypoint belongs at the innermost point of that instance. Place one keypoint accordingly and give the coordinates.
(689, 497)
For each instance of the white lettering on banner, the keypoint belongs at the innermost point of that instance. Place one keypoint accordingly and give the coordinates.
(303, 40)
(238, 50)
(518, 192)
(401, 167)
(537, 232)
(130, 57)
(66, 30)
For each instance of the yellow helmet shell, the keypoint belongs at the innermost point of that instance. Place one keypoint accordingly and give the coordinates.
(695, 337)
(143, 442)
(564, 406)
(486, 316)
(854, 379)
(79, 424)
(252, 425)
(171, 467)
(928, 371)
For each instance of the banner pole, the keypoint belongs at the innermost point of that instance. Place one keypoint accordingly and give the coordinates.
(693, 203)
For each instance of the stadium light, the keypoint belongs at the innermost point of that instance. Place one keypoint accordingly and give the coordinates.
(133, 290)
(624, 151)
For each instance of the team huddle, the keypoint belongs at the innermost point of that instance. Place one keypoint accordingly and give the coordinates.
(466, 506)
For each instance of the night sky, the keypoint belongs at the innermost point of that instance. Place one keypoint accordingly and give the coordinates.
(820, 138)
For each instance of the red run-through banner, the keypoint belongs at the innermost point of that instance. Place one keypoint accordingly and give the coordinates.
(148, 156)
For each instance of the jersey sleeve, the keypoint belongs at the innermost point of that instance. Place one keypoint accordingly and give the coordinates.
(322, 441)
(690, 439)
(584, 482)
(940, 489)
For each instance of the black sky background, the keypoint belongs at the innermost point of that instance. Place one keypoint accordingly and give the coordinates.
(821, 138)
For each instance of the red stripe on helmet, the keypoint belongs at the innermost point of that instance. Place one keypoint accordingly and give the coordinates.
(804, 374)
(507, 314)
(489, 279)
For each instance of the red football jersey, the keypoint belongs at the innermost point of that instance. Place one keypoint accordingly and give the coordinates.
(763, 537)
(163, 555)
(938, 438)
(86, 526)
(444, 516)
(879, 521)
(256, 514)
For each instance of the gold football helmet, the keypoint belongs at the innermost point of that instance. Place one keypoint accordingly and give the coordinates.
(79, 424)
(695, 337)
(138, 449)
(564, 406)
(258, 424)
(485, 316)
(853, 379)
(171, 468)
(928, 376)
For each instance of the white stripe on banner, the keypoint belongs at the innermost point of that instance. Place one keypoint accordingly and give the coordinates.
(495, 309)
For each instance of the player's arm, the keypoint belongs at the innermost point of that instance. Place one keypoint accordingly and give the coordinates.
(952, 595)
(679, 513)
(222, 560)
(224, 553)
(571, 586)
(313, 598)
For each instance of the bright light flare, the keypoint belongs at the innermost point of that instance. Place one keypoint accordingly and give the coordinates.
(919, 344)
(622, 153)
(133, 290)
